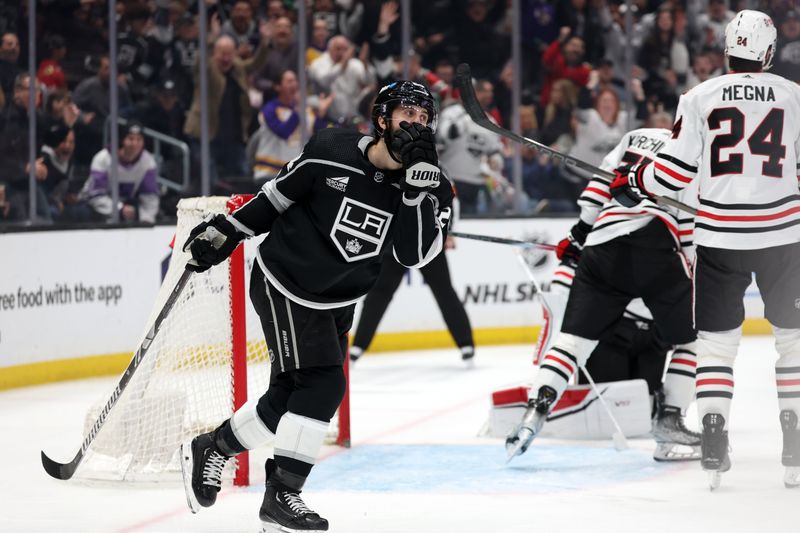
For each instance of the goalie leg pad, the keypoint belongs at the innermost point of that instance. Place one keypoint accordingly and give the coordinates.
(248, 428)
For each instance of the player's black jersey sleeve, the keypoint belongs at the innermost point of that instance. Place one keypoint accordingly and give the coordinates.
(422, 225)
(293, 182)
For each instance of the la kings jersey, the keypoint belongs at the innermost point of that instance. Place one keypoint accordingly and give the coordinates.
(610, 219)
(738, 137)
(331, 214)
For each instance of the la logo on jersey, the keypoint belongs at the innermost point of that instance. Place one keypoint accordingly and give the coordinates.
(359, 230)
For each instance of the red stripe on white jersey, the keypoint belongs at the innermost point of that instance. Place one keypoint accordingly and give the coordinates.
(748, 218)
(598, 192)
(671, 173)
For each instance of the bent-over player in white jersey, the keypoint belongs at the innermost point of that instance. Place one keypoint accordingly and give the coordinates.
(623, 253)
(737, 137)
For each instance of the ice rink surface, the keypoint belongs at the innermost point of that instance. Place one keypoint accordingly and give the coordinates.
(417, 464)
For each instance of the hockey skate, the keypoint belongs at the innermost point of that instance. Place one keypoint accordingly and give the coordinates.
(714, 446)
(283, 511)
(201, 466)
(790, 458)
(518, 441)
(674, 441)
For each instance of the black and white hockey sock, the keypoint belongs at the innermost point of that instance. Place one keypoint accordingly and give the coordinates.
(679, 381)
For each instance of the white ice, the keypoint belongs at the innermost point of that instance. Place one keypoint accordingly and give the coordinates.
(416, 464)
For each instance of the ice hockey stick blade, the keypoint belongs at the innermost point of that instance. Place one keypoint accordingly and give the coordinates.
(65, 471)
(463, 83)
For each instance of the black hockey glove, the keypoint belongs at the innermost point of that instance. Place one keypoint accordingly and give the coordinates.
(416, 147)
(571, 246)
(211, 242)
(627, 187)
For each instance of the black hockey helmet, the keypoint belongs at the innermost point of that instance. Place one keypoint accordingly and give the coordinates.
(399, 93)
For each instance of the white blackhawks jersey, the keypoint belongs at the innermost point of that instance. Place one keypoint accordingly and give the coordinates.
(736, 138)
(610, 219)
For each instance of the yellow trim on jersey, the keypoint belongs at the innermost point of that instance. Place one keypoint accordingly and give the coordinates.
(114, 364)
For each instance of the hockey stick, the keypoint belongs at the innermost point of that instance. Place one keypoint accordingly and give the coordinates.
(501, 240)
(620, 442)
(66, 470)
(463, 82)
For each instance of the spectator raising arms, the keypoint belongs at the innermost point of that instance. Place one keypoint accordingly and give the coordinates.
(340, 73)
(563, 59)
(137, 174)
(228, 104)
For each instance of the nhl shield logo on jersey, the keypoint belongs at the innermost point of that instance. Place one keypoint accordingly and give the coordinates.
(359, 230)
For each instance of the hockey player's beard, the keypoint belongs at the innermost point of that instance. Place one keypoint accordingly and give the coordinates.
(387, 138)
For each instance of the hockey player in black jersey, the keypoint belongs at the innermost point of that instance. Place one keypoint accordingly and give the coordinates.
(329, 216)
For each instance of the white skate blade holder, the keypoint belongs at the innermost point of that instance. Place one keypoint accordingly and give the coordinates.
(186, 472)
(272, 527)
(714, 479)
(791, 479)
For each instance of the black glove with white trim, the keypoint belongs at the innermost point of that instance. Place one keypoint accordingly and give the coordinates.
(211, 242)
(627, 188)
(416, 147)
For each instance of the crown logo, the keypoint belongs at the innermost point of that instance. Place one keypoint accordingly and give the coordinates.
(353, 246)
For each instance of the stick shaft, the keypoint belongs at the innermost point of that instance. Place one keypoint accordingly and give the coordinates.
(501, 240)
(66, 470)
(464, 83)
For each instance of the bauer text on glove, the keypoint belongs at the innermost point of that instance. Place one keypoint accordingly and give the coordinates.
(416, 147)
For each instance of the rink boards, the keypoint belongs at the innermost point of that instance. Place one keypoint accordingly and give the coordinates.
(74, 303)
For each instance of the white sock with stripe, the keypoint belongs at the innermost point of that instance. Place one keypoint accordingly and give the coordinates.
(787, 368)
(679, 381)
(716, 352)
(560, 363)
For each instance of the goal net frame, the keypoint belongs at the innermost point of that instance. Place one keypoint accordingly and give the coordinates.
(122, 452)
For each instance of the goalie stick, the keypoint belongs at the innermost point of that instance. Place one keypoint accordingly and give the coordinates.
(501, 240)
(66, 470)
(463, 83)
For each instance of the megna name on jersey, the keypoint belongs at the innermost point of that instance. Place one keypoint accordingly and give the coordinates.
(757, 93)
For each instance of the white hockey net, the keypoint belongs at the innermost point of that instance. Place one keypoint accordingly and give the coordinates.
(184, 385)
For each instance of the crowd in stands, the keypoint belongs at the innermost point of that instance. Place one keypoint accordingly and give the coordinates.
(573, 78)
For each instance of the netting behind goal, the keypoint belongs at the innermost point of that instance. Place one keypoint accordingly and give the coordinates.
(194, 373)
